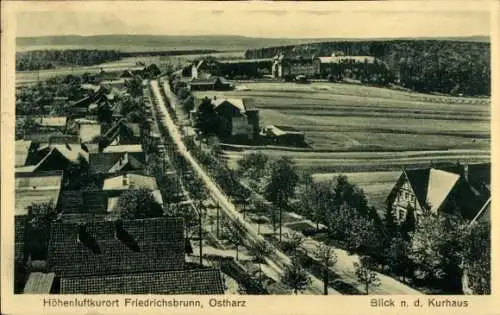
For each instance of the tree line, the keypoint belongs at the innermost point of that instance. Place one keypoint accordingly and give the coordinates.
(443, 66)
(49, 59)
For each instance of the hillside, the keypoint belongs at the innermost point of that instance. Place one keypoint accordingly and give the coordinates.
(424, 65)
(134, 43)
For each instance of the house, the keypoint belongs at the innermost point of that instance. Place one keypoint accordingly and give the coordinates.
(120, 133)
(213, 83)
(116, 247)
(206, 281)
(236, 120)
(204, 69)
(462, 189)
(40, 187)
(113, 162)
(89, 131)
(336, 64)
(115, 186)
(291, 66)
(51, 157)
(284, 135)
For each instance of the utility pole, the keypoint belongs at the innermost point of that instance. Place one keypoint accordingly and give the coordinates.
(218, 220)
(200, 230)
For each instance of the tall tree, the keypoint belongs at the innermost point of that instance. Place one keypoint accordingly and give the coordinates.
(137, 204)
(280, 184)
(253, 166)
(435, 249)
(40, 216)
(207, 121)
(237, 233)
(292, 243)
(476, 256)
(260, 250)
(365, 273)
(296, 276)
(328, 259)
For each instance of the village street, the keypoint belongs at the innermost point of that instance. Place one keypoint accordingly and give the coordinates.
(344, 266)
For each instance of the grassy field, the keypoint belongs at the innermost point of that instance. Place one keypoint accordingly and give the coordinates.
(358, 128)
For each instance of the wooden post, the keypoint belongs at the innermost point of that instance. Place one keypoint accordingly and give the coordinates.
(200, 230)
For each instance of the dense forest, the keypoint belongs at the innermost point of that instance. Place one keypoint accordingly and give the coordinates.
(451, 67)
(49, 59)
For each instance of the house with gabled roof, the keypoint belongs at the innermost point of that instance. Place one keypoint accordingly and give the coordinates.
(121, 133)
(40, 187)
(114, 162)
(462, 189)
(236, 119)
(116, 247)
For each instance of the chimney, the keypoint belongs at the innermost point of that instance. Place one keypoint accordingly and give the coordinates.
(125, 180)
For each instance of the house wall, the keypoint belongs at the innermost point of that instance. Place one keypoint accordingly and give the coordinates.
(240, 126)
(404, 196)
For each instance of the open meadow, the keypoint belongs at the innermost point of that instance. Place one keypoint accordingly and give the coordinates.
(368, 133)
(341, 117)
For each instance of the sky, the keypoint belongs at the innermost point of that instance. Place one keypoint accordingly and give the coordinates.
(253, 20)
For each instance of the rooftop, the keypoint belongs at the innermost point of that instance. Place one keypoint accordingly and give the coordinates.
(59, 122)
(36, 188)
(78, 201)
(123, 148)
(236, 102)
(191, 281)
(127, 181)
(22, 150)
(106, 247)
(115, 161)
(39, 283)
(282, 130)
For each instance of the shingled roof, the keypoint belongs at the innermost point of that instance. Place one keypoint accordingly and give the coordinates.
(105, 162)
(77, 201)
(103, 248)
(191, 281)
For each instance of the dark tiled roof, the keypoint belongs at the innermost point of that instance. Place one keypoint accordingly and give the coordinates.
(77, 201)
(191, 281)
(144, 245)
(39, 283)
